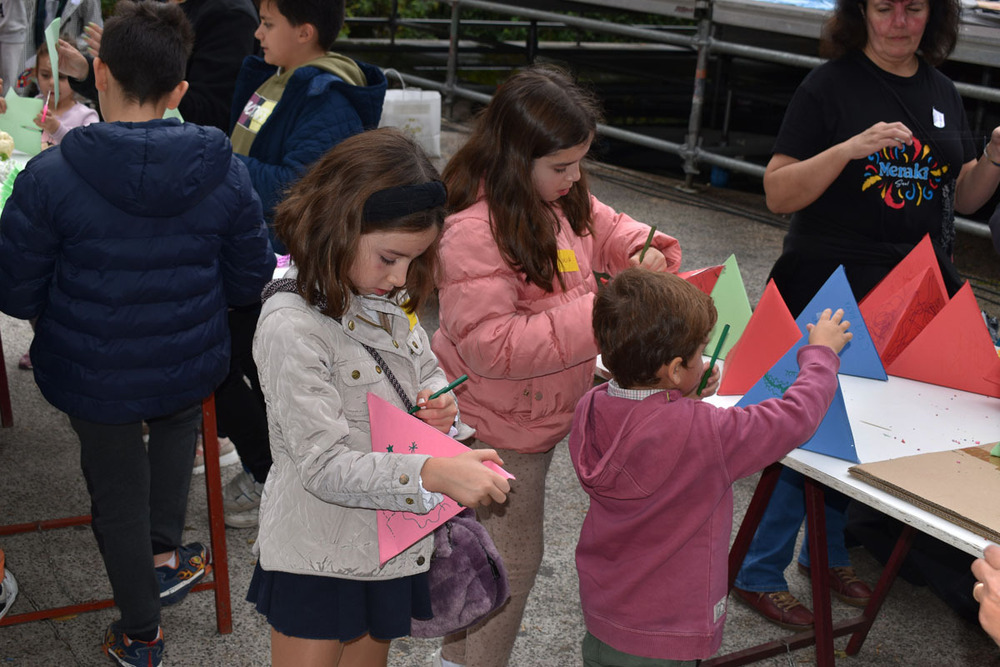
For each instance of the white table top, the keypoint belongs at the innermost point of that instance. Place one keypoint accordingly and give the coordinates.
(899, 418)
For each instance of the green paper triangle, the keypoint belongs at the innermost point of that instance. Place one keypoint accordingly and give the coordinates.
(733, 306)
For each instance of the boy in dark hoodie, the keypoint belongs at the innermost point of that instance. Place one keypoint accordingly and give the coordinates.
(290, 106)
(129, 241)
(659, 465)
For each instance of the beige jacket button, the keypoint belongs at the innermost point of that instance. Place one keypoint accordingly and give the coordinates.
(350, 325)
(355, 374)
(420, 560)
(409, 501)
(404, 479)
(395, 344)
(378, 369)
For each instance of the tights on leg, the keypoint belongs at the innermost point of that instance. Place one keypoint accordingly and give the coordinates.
(516, 529)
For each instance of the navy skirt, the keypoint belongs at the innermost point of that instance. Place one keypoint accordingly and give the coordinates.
(316, 607)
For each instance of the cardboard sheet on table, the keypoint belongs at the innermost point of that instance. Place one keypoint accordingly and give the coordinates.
(703, 279)
(733, 306)
(769, 334)
(961, 485)
(859, 357)
(19, 122)
(953, 350)
(834, 436)
(395, 431)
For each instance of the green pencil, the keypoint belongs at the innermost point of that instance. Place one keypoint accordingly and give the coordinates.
(715, 357)
(445, 390)
(645, 247)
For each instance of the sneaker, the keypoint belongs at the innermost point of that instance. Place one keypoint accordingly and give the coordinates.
(132, 652)
(241, 500)
(176, 582)
(227, 455)
(24, 363)
(8, 591)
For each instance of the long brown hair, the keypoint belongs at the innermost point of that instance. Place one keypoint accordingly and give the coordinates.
(536, 112)
(321, 222)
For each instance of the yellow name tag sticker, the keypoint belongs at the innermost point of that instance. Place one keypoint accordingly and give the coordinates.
(566, 261)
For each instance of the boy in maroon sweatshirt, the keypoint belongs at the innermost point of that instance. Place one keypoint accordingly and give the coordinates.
(659, 465)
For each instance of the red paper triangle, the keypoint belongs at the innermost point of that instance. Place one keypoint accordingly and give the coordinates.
(901, 317)
(919, 259)
(770, 332)
(703, 279)
(954, 350)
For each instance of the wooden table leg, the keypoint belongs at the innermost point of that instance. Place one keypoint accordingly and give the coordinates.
(216, 521)
(755, 510)
(885, 582)
(819, 567)
(6, 413)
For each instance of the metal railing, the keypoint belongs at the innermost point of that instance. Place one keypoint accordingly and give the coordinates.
(702, 43)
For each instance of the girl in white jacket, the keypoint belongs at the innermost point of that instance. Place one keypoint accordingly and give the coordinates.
(362, 230)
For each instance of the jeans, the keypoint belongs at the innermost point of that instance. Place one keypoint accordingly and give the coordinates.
(771, 550)
(138, 499)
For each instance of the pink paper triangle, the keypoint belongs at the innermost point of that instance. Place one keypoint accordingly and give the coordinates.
(703, 279)
(903, 316)
(770, 332)
(953, 350)
(396, 432)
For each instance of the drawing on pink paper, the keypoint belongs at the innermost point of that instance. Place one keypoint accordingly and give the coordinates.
(902, 316)
(393, 431)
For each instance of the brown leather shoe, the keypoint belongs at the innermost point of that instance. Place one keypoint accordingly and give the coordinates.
(779, 607)
(845, 585)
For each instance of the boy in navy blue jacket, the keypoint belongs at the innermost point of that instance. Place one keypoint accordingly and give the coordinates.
(129, 241)
(290, 106)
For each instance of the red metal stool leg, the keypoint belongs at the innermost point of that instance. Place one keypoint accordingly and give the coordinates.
(216, 522)
(217, 531)
(6, 414)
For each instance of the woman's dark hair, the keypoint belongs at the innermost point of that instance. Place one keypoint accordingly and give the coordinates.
(846, 31)
(536, 112)
(643, 320)
(321, 221)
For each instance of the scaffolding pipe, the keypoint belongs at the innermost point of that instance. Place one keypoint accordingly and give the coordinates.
(703, 42)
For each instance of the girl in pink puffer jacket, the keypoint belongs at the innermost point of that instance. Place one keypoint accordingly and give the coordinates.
(516, 287)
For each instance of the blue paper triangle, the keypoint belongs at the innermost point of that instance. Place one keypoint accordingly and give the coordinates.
(859, 357)
(834, 436)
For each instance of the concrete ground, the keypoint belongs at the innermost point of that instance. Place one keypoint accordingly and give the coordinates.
(40, 479)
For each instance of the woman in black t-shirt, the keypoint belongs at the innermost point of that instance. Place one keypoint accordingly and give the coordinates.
(874, 153)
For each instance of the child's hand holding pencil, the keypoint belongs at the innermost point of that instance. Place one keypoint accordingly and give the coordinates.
(649, 257)
(438, 409)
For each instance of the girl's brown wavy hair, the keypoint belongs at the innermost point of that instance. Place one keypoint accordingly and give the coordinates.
(536, 112)
(320, 220)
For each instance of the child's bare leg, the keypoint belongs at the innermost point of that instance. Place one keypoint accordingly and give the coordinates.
(365, 652)
(296, 652)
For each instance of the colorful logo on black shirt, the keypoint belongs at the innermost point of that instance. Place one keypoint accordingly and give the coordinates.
(904, 174)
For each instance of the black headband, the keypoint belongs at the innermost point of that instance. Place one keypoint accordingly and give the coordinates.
(403, 200)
